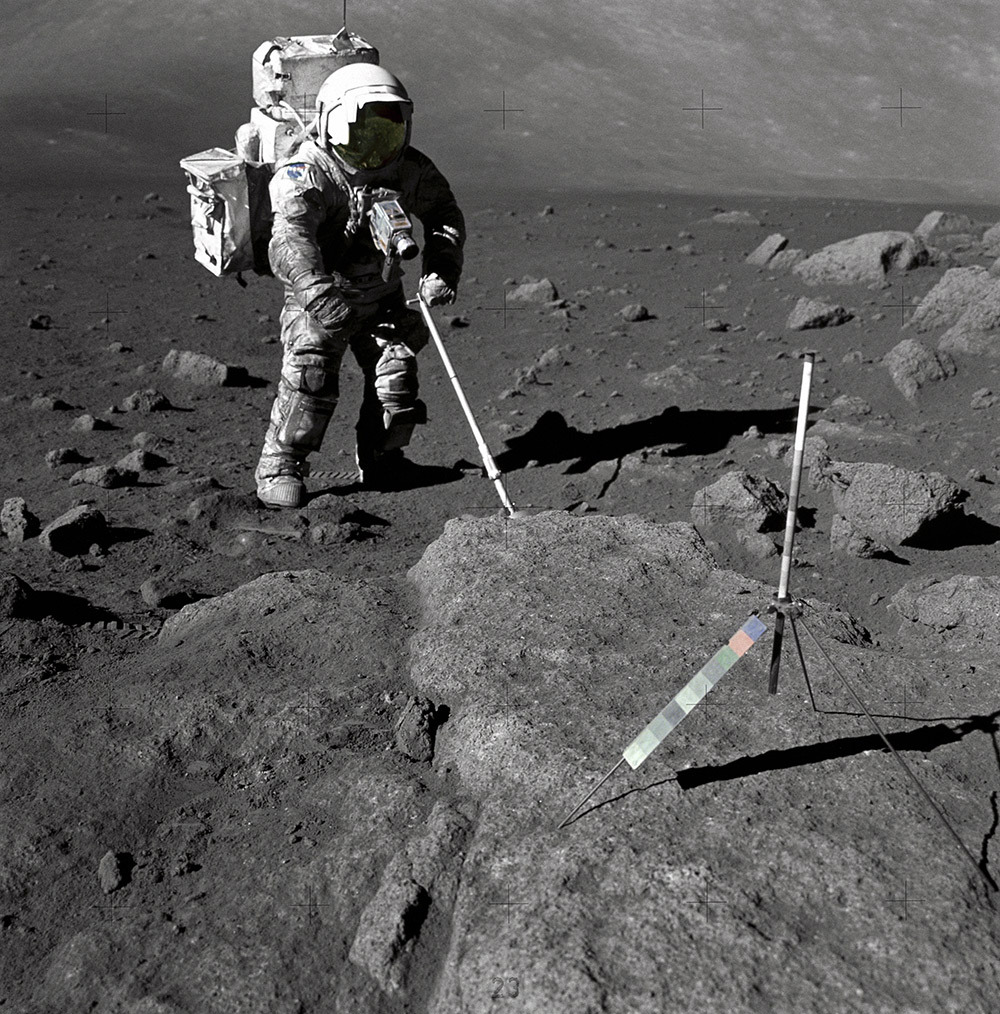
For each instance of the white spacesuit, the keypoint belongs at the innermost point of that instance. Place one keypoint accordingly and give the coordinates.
(336, 297)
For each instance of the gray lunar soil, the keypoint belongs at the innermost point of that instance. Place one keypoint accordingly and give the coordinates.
(314, 761)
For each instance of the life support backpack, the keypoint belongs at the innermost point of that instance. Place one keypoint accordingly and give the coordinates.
(230, 202)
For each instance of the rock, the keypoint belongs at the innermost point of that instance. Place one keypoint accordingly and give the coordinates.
(672, 378)
(947, 302)
(547, 210)
(866, 258)
(912, 365)
(961, 609)
(756, 544)
(736, 218)
(144, 402)
(970, 342)
(991, 240)
(983, 398)
(809, 313)
(975, 332)
(634, 312)
(111, 872)
(106, 476)
(16, 521)
(741, 500)
(198, 368)
(65, 456)
(73, 533)
(533, 292)
(47, 403)
(845, 539)
(214, 505)
(15, 597)
(140, 460)
(785, 260)
(150, 441)
(85, 423)
(167, 592)
(715, 324)
(421, 878)
(40, 322)
(579, 638)
(893, 505)
(850, 405)
(267, 603)
(814, 451)
(936, 224)
(763, 253)
(196, 484)
(151, 198)
(415, 729)
(967, 300)
(388, 929)
(778, 447)
(330, 533)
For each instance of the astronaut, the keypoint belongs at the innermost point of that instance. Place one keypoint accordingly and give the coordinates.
(336, 298)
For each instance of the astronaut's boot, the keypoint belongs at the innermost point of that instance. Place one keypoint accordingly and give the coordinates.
(280, 483)
(306, 399)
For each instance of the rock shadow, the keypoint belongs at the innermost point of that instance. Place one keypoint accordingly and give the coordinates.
(950, 531)
(70, 610)
(697, 431)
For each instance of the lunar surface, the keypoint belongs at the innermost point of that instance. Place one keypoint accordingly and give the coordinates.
(316, 760)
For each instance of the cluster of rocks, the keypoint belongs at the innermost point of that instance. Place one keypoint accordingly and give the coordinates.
(877, 507)
(870, 257)
(966, 301)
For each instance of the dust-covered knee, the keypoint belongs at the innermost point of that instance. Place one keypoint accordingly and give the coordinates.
(311, 376)
(396, 380)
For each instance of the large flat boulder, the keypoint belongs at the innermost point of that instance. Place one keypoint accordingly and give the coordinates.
(938, 225)
(554, 639)
(862, 259)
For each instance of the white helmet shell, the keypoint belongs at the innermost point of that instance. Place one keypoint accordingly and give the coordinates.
(346, 90)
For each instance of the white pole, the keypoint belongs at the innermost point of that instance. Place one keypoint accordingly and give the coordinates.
(484, 452)
(793, 507)
(793, 492)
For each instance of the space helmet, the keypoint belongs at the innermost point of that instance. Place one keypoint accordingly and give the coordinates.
(363, 117)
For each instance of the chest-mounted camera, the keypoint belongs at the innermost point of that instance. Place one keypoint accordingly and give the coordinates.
(392, 232)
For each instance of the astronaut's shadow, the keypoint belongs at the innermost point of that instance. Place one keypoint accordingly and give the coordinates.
(697, 431)
(415, 477)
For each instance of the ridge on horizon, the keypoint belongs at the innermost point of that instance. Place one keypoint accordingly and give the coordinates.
(608, 101)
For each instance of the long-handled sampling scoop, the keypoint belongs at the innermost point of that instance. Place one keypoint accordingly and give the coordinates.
(484, 452)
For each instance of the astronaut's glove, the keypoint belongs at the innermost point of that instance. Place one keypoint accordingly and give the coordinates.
(330, 311)
(435, 291)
